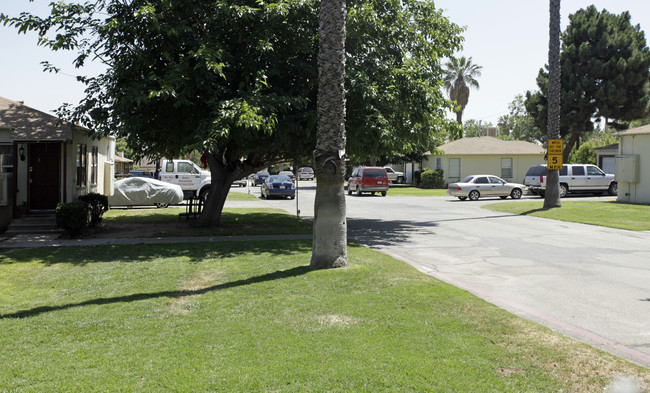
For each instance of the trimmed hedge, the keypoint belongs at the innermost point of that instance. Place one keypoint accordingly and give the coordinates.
(72, 217)
(430, 178)
(98, 204)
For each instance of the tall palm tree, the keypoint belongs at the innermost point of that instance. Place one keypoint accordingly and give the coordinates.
(459, 75)
(552, 197)
(329, 246)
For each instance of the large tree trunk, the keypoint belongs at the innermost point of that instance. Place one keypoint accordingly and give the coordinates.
(329, 247)
(552, 197)
(222, 177)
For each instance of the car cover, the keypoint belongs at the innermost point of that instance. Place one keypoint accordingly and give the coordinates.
(144, 191)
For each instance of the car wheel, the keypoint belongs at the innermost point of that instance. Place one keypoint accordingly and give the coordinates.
(162, 205)
(383, 193)
(358, 191)
(563, 190)
(400, 180)
(204, 194)
(462, 198)
(349, 191)
(515, 194)
(474, 195)
(292, 196)
(613, 189)
(542, 194)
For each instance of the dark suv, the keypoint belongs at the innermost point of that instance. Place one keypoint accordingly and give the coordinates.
(368, 179)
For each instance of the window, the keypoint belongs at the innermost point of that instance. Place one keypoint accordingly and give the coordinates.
(506, 167)
(454, 167)
(495, 180)
(82, 165)
(439, 163)
(94, 158)
(578, 171)
(481, 180)
(594, 171)
(169, 167)
(185, 167)
(6, 158)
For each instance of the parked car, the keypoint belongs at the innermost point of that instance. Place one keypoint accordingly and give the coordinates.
(574, 178)
(239, 183)
(142, 191)
(260, 177)
(278, 185)
(134, 173)
(288, 173)
(368, 179)
(477, 186)
(305, 173)
(394, 176)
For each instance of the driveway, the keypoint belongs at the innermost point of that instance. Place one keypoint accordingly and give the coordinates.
(589, 282)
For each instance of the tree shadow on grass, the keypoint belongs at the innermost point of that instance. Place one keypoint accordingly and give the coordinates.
(134, 253)
(277, 275)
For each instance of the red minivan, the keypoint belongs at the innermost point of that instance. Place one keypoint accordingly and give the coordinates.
(368, 179)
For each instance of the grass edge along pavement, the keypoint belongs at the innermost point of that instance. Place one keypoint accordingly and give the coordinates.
(246, 317)
(603, 213)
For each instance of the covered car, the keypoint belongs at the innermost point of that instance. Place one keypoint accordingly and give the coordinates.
(481, 186)
(142, 191)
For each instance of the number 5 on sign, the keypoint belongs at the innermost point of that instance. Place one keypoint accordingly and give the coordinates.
(555, 154)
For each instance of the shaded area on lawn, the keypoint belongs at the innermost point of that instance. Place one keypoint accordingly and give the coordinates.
(277, 275)
(134, 253)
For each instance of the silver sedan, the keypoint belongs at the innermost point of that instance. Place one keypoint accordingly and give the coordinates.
(477, 186)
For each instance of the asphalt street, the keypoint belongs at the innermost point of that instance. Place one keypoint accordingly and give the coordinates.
(588, 282)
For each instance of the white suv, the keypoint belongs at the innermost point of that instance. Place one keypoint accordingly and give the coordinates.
(394, 176)
(573, 178)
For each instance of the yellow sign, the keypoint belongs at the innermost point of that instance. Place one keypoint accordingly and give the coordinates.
(555, 154)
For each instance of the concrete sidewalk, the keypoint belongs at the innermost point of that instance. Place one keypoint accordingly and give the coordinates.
(36, 240)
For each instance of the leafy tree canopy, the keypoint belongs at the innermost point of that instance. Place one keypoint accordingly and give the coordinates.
(238, 79)
(518, 124)
(604, 63)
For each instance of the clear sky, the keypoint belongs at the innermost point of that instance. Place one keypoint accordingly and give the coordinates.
(508, 38)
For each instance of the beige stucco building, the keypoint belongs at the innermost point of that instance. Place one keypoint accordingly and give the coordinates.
(46, 161)
(485, 155)
(633, 165)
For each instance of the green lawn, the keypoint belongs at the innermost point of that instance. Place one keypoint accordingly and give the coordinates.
(252, 317)
(414, 191)
(608, 214)
(241, 196)
(234, 221)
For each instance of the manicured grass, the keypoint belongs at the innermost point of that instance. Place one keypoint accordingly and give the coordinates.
(252, 317)
(240, 196)
(608, 214)
(234, 221)
(414, 191)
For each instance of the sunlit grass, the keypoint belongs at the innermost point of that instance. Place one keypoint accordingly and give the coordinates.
(253, 317)
(608, 214)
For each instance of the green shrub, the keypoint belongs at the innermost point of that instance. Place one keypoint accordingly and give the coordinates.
(72, 217)
(98, 204)
(432, 178)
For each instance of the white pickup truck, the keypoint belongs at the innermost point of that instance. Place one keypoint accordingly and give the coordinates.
(194, 181)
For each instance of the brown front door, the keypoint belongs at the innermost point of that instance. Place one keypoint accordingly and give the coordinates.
(44, 178)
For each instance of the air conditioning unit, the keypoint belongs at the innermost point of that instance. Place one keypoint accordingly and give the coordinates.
(6, 182)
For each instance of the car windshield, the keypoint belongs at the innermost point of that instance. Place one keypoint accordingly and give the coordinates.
(279, 179)
(468, 179)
